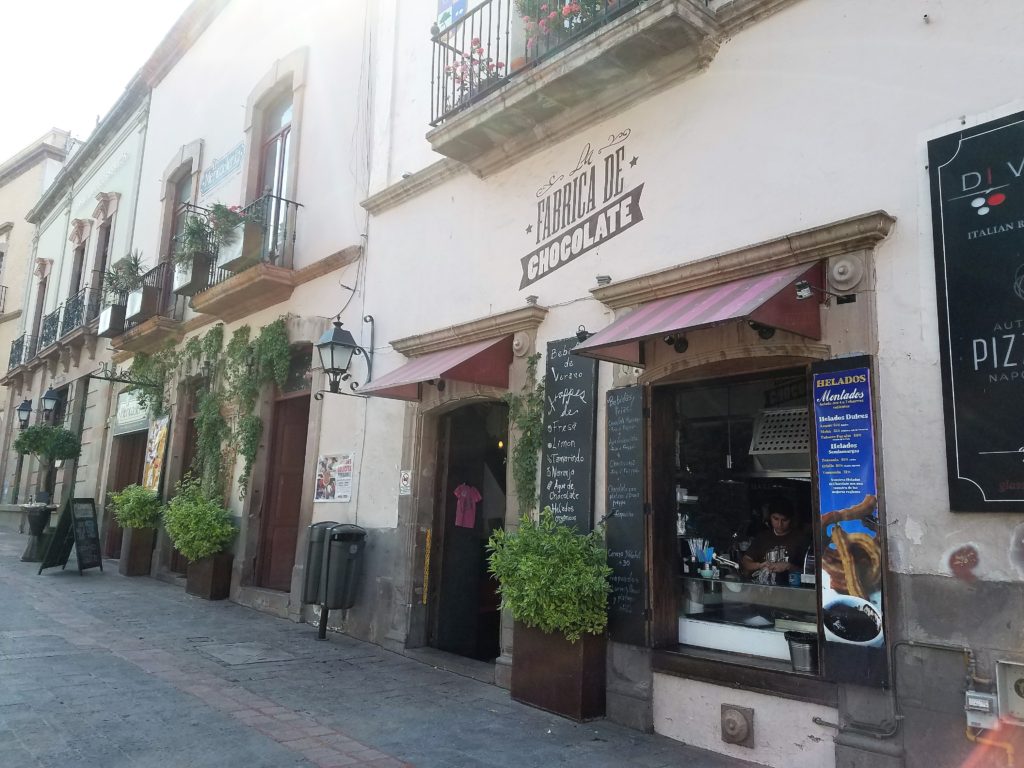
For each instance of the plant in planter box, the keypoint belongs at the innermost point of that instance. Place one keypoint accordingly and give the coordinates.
(48, 443)
(239, 237)
(123, 278)
(472, 72)
(193, 255)
(137, 510)
(548, 23)
(555, 583)
(201, 528)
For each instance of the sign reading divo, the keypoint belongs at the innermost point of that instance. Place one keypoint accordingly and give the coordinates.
(977, 188)
(580, 210)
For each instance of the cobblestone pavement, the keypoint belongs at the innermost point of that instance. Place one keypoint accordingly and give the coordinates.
(103, 671)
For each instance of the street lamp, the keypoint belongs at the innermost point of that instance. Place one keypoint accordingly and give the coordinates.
(24, 412)
(336, 348)
(49, 402)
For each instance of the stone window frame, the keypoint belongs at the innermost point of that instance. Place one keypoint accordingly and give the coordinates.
(187, 161)
(287, 73)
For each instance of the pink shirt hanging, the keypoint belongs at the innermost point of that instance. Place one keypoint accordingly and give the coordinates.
(465, 510)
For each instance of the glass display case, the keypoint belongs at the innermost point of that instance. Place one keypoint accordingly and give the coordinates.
(744, 617)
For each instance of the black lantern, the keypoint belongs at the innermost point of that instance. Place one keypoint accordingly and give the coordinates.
(336, 349)
(49, 402)
(24, 411)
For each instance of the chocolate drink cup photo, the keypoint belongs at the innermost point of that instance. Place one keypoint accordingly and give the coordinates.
(852, 620)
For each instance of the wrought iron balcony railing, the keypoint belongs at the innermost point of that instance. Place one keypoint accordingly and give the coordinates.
(499, 39)
(17, 357)
(166, 303)
(50, 328)
(266, 235)
(79, 310)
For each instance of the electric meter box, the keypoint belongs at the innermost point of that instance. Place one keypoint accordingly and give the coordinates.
(981, 709)
(1010, 687)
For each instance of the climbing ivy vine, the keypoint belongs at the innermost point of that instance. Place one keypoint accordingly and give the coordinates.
(236, 374)
(526, 413)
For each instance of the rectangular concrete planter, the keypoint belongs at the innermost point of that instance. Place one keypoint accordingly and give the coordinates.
(142, 303)
(210, 578)
(190, 279)
(136, 551)
(550, 673)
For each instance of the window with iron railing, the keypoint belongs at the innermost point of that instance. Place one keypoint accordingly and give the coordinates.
(3, 299)
(79, 310)
(17, 356)
(50, 328)
(499, 39)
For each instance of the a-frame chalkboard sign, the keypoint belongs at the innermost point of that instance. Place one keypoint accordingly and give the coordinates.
(76, 527)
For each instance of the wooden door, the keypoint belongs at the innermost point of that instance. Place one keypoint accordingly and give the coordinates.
(131, 460)
(280, 530)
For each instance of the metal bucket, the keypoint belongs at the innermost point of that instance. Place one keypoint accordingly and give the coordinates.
(803, 651)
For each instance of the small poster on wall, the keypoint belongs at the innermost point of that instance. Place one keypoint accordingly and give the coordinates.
(156, 448)
(334, 478)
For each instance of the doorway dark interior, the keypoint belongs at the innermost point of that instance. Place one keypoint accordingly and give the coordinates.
(280, 530)
(131, 458)
(471, 507)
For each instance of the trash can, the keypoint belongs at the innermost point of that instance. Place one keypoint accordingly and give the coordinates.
(803, 651)
(344, 558)
(313, 574)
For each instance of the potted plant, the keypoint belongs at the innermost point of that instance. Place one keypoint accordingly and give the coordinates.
(123, 278)
(238, 237)
(555, 583)
(193, 256)
(47, 443)
(137, 511)
(143, 297)
(201, 528)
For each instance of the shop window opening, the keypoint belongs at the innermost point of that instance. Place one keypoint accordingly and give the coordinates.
(744, 552)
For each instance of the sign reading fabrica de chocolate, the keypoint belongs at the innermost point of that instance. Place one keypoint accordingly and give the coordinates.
(977, 189)
(579, 209)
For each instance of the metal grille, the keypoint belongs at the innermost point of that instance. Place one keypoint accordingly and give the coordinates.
(781, 431)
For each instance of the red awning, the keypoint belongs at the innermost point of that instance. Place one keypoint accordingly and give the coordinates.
(769, 299)
(482, 362)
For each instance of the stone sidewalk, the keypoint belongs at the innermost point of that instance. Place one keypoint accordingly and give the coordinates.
(102, 671)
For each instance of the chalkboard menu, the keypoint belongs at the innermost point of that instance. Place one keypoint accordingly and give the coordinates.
(625, 516)
(978, 230)
(76, 527)
(570, 421)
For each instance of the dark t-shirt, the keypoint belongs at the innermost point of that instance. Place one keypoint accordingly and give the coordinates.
(769, 548)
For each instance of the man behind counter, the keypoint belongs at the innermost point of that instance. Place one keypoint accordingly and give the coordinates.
(777, 551)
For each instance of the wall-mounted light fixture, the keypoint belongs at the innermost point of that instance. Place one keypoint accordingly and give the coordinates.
(49, 402)
(804, 290)
(24, 412)
(582, 334)
(678, 342)
(764, 331)
(336, 348)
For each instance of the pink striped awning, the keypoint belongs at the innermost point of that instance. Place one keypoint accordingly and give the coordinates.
(768, 299)
(482, 362)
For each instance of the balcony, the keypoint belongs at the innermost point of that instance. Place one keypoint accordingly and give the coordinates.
(19, 351)
(252, 268)
(80, 310)
(49, 331)
(149, 317)
(505, 84)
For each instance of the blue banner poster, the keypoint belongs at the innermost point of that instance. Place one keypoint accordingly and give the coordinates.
(851, 551)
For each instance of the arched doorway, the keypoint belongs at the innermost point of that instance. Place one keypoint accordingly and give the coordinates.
(464, 610)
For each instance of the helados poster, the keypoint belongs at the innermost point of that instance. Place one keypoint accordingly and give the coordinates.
(850, 546)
